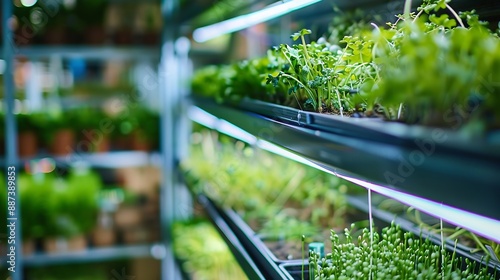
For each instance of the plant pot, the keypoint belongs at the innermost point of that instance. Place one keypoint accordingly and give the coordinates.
(27, 144)
(55, 35)
(150, 38)
(63, 143)
(95, 35)
(135, 235)
(93, 146)
(127, 216)
(102, 237)
(121, 143)
(102, 146)
(138, 142)
(29, 247)
(62, 244)
(123, 36)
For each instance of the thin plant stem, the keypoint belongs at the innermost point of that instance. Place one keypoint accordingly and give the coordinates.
(340, 104)
(418, 15)
(407, 9)
(303, 256)
(370, 217)
(455, 15)
(443, 265)
(311, 95)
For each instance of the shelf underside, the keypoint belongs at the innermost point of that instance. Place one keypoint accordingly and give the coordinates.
(440, 170)
(89, 255)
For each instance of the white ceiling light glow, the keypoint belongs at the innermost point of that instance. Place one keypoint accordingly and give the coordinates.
(278, 9)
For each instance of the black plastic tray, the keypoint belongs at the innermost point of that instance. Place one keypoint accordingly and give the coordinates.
(268, 263)
(388, 154)
(242, 241)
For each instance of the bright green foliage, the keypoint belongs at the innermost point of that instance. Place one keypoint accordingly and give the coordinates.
(264, 187)
(203, 253)
(429, 68)
(55, 207)
(212, 81)
(438, 72)
(321, 75)
(393, 254)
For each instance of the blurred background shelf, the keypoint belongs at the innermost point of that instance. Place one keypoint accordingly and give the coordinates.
(116, 159)
(95, 255)
(88, 52)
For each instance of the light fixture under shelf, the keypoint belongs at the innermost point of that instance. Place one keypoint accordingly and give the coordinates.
(272, 11)
(481, 225)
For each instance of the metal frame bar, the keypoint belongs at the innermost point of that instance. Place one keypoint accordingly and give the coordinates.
(11, 130)
(168, 74)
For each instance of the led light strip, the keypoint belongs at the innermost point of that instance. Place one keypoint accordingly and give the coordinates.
(278, 9)
(483, 226)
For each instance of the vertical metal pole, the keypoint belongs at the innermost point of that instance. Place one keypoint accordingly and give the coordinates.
(11, 137)
(184, 208)
(168, 81)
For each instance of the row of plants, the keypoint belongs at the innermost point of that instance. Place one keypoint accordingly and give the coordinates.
(53, 207)
(282, 199)
(251, 181)
(75, 210)
(472, 241)
(85, 129)
(87, 22)
(433, 67)
(392, 254)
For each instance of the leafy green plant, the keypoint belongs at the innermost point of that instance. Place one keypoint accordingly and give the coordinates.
(142, 121)
(427, 67)
(39, 216)
(203, 253)
(80, 199)
(435, 69)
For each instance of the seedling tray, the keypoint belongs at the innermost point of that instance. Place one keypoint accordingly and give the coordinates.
(428, 162)
(242, 241)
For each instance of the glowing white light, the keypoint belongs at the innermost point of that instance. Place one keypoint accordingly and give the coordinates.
(278, 9)
(481, 225)
(28, 3)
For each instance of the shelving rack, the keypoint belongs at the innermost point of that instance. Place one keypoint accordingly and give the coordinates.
(450, 184)
(175, 109)
(164, 53)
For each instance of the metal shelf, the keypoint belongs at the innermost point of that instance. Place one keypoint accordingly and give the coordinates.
(89, 52)
(93, 255)
(114, 159)
(250, 250)
(246, 258)
(461, 185)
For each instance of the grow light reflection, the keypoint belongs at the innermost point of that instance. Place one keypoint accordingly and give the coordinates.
(206, 119)
(486, 227)
(275, 10)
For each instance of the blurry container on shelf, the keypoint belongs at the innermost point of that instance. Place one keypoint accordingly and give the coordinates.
(27, 137)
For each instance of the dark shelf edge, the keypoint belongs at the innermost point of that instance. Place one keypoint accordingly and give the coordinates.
(443, 176)
(244, 259)
(89, 255)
